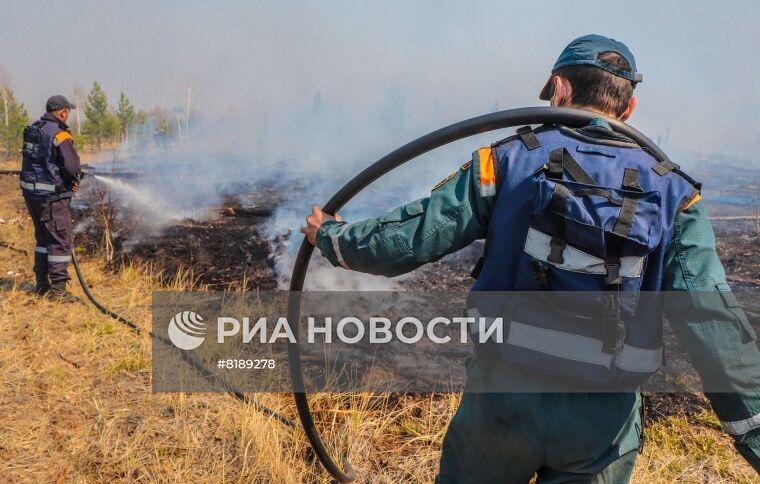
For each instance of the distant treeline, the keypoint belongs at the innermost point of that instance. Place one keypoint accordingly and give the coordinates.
(95, 124)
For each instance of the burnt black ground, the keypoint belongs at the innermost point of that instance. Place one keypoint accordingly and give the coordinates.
(231, 247)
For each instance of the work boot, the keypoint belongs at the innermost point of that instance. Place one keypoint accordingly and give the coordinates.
(42, 288)
(58, 292)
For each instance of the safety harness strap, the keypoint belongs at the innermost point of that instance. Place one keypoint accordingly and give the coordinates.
(631, 180)
(561, 160)
(625, 220)
(555, 167)
(628, 208)
(622, 228)
(614, 327)
(528, 138)
(662, 168)
(598, 192)
(558, 241)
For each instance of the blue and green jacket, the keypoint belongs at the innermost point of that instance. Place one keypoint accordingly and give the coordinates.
(458, 212)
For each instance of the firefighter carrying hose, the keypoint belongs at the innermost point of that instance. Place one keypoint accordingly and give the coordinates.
(50, 174)
(567, 210)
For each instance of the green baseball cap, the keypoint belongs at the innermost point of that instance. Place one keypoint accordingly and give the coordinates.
(585, 51)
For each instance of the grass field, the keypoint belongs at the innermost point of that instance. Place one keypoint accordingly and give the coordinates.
(77, 406)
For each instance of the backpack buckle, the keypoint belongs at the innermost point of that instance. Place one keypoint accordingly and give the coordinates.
(541, 169)
(556, 247)
(613, 274)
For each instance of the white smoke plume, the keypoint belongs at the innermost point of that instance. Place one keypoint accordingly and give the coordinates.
(326, 145)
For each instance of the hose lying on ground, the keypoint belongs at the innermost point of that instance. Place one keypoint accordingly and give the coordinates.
(191, 360)
(481, 124)
(187, 356)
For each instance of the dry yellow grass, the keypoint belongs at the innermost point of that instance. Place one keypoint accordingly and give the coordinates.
(76, 404)
(9, 164)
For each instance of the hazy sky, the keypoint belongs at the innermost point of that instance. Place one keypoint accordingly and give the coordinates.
(439, 62)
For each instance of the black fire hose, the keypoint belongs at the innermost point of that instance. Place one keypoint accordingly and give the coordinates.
(481, 124)
(198, 365)
(189, 358)
(85, 288)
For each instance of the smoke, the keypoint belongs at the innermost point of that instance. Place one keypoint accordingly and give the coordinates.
(297, 97)
(296, 159)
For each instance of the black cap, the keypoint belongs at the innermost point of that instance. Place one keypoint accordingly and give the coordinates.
(54, 103)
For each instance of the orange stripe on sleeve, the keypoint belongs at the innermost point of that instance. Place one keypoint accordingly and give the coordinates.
(487, 171)
(61, 137)
(694, 199)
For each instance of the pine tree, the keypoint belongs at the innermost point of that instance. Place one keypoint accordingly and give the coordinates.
(96, 125)
(126, 114)
(12, 121)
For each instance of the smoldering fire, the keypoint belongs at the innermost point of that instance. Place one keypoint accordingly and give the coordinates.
(352, 330)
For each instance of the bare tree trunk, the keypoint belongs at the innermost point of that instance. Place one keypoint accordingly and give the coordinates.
(79, 101)
(187, 111)
(5, 104)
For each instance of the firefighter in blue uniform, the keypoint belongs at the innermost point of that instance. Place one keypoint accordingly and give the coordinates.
(50, 174)
(564, 437)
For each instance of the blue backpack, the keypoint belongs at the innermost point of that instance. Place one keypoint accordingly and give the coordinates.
(575, 249)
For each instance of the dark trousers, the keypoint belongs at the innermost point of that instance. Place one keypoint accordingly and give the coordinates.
(560, 437)
(52, 232)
